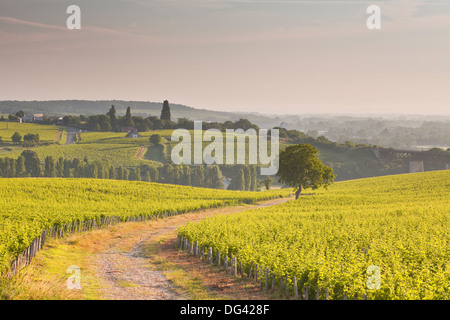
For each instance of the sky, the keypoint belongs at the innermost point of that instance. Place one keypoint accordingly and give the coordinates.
(271, 57)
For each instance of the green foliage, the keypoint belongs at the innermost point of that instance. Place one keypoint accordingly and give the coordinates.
(50, 170)
(267, 182)
(20, 114)
(198, 176)
(253, 178)
(128, 121)
(300, 168)
(16, 137)
(214, 177)
(238, 181)
(31, 205)
(155, 139)
(165, 112)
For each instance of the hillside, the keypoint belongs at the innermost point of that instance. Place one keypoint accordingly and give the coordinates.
(331, 239)
(31, 206)
(139, 108)
(349, 161)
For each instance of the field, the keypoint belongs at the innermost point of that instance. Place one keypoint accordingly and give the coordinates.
(119, 138)
(31, 205)
(329, 239)
(108, 146)
(347, 161)
(96, 146)
(46, 132)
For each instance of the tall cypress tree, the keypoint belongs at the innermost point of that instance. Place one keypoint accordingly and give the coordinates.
(100, 171)
(35, 167)
(66, 171)
(60, 167)
(200, 176)
(50, 171)
(113, 118)
(154, 174)
(253, 178)
(168, 174)
(20, 166)
(128, 121)
(177, 175)
(6, 172)
(120, 173)
(238, 181)
(135, 175)
(186, 176)
(29, 161)
(247, 177)
(112, 173)
(12, 165)
(125, 174)
(215, 177)
(165, 112)
(77, 168)
(93, 170)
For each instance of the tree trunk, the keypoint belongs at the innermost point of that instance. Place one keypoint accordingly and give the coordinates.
(297, 193)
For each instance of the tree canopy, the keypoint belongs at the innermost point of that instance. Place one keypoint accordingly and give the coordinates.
(165, 112)
(300, 168)
(155, 139)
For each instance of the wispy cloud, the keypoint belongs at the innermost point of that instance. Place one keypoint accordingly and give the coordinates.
(15, 21)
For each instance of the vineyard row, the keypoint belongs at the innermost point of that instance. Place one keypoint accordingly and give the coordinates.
(268, 281)
(60, 231)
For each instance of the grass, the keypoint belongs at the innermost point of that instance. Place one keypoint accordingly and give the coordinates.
(117, 154)
(46, 132)
(46, 277)
(186, 282)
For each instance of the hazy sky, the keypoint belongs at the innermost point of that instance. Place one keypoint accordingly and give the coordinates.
(264, 56)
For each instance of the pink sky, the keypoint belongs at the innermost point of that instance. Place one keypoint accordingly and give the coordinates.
(274, 57)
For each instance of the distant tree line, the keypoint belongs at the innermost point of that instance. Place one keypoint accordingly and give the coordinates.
(29, 140)
(28, 164)
(12, 117)
(111, 122)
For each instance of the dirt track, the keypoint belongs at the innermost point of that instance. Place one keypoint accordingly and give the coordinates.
(130, 271)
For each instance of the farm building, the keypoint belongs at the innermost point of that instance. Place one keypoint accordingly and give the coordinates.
(134, 135)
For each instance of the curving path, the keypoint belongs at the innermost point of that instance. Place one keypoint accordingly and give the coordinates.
(131, 273)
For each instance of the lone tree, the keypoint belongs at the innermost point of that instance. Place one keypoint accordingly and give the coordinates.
(155, 139)
(300, 168)
(31, 139)
(165, 112)
(16, 137)
(267, 182)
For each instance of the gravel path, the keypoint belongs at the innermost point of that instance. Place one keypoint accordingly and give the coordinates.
(127, 274)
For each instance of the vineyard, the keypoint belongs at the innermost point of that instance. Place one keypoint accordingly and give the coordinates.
(118, 154)
(328, 240)
(31, 207)
(46, 132)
